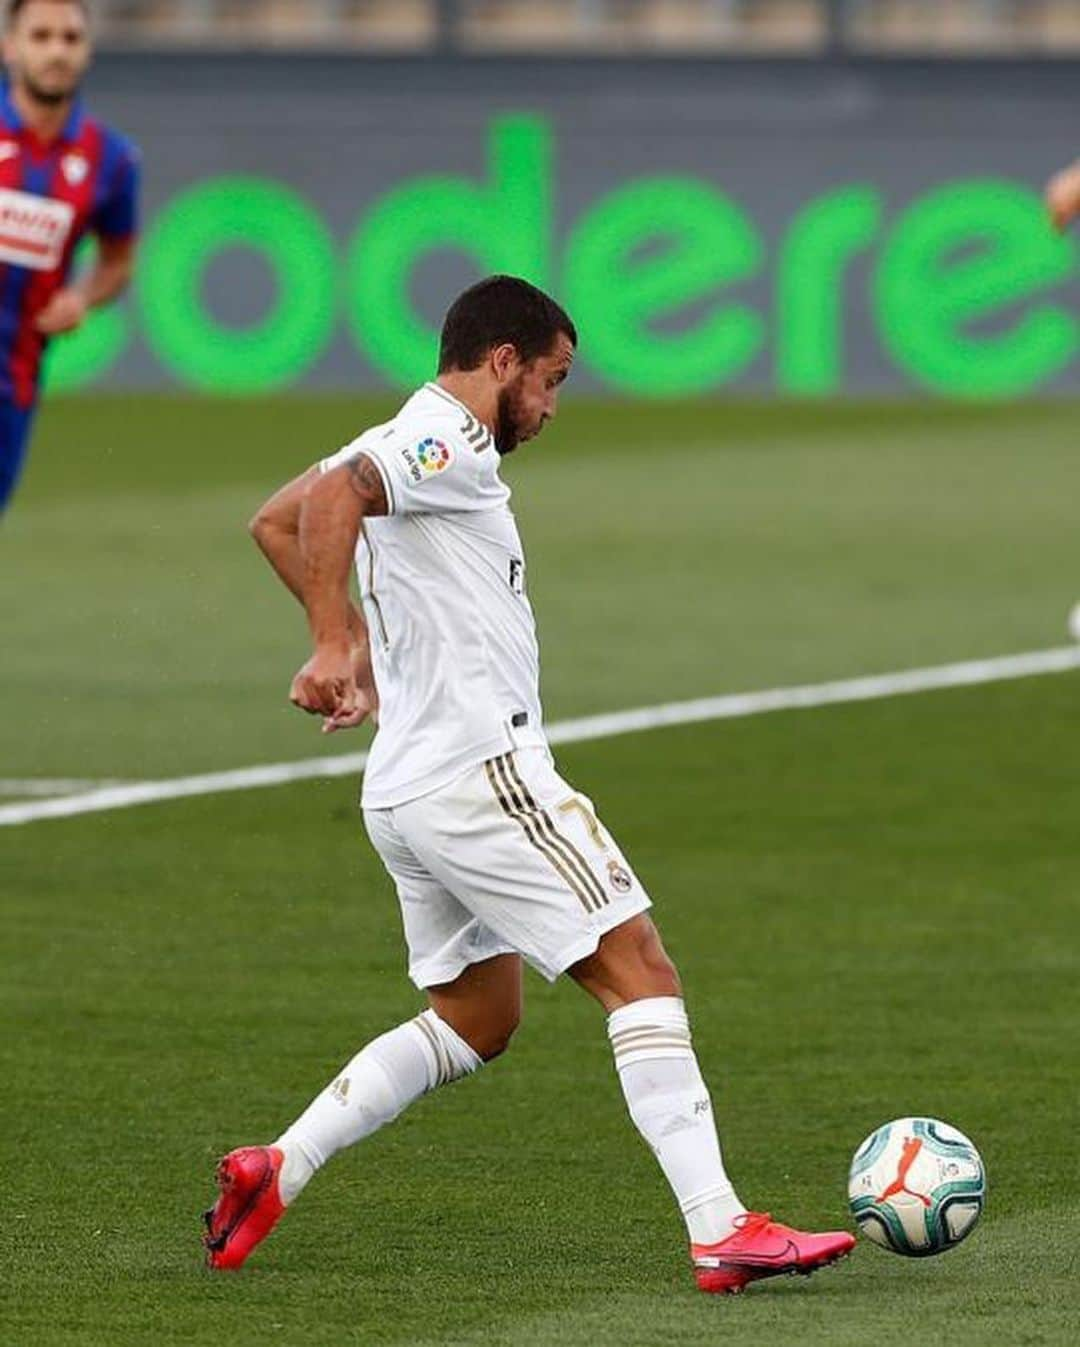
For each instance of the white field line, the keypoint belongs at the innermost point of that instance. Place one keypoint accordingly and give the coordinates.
(40, 785)
(871, 688)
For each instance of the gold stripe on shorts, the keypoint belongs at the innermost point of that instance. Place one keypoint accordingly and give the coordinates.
(557, 838)
(541, 832)
(532, 832)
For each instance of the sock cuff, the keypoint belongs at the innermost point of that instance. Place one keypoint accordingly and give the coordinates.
(652, 1028)
(719, 1192)
(652, 1010)
(451, 1057)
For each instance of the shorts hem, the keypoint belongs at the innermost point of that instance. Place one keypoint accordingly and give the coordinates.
(588, 943)
(426, 975)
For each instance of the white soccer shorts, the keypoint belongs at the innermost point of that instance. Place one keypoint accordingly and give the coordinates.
(507, 859)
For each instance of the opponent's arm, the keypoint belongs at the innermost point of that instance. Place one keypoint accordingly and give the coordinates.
(1063, 196)
(109, 278)
(112, 273)
(332, 511)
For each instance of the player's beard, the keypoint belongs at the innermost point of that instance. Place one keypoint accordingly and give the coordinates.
(510, 427)
(50, 98)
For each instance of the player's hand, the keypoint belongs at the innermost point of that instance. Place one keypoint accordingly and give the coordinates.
(326, 685)
(63, 313)
(367, 702)
(1063, 196)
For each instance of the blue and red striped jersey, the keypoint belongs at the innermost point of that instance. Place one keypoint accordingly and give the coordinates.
(51, 195)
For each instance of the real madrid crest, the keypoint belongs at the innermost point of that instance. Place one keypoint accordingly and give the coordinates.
(619, 877)
(75, 167)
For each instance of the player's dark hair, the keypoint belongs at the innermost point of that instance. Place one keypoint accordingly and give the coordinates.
(498, 311)
(15, 8)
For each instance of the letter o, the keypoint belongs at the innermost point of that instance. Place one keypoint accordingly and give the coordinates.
(249, 213)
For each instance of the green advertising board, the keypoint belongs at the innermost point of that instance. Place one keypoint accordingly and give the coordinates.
(963, 285)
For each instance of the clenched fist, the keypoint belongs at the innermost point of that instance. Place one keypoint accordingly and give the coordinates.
(337, 685)
(326, 685)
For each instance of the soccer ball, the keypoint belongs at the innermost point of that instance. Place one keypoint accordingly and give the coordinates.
(916, 1186)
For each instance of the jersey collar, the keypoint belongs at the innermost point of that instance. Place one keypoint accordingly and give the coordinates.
(9, 114)
(437, 389)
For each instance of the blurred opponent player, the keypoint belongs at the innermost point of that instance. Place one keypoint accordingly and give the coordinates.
(62, 175)
(1063, 196)
(494, 856)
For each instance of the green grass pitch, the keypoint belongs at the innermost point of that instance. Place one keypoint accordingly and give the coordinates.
(874, 907)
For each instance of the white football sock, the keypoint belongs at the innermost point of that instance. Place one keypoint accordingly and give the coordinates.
(379, 1083)
(671, 1108)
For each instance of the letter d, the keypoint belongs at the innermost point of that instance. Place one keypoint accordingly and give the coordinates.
(506, 227)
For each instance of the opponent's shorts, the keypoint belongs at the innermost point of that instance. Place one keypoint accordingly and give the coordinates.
(15, 426)
(507, 859)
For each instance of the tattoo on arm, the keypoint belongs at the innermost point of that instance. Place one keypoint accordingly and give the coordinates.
(366, 480)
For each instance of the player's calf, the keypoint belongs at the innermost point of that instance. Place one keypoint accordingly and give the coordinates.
(629, 964)
(670, 1105)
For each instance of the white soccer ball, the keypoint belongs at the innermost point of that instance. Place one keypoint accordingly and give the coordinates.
(916, 1186)
(1074, 622)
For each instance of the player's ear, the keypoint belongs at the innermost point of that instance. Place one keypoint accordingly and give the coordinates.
(504, 361)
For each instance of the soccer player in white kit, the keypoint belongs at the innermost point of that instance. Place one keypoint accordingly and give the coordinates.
(496, 859)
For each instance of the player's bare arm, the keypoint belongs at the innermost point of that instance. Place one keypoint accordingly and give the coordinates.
(1063, 196)
(332, 512)
(276, 530)
(108, 280)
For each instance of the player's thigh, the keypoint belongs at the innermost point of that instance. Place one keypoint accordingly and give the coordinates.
(443, 937)
(526, 853)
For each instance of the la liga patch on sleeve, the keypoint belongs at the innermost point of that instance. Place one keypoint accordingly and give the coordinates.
(427, 459)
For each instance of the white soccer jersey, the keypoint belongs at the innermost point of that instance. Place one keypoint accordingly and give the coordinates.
(442, 577)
